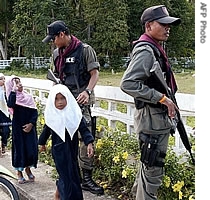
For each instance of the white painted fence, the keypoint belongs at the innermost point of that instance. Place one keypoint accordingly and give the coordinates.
(114, 96)
(36, 62)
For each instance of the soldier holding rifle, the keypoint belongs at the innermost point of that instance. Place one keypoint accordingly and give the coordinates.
(155, 111)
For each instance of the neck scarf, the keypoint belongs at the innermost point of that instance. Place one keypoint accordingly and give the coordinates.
(23, 98)
(169, 74)
(63, 52)
(68, 118)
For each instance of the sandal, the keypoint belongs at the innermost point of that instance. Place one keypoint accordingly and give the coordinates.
(31, 177)
(21, 180)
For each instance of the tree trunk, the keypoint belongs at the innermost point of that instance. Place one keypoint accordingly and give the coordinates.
(2, 50)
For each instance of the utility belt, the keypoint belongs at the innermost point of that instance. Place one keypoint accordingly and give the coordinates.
(150, 154)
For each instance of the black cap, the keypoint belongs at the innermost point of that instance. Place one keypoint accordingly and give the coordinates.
(54, 29)
(160, 14)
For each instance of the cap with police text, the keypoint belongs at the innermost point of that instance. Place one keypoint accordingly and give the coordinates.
(160, 14)
(54, 29)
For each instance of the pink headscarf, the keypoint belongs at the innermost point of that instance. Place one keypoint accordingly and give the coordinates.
(22, 98)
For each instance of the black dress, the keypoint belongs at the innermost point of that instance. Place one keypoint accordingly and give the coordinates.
(5, 123)
(24, 145)
(65, 158)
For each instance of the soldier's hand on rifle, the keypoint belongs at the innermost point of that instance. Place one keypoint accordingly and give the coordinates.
(170, 105)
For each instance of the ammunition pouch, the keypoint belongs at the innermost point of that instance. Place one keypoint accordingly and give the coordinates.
(150, 154)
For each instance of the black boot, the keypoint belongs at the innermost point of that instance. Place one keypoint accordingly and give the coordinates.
(89, 185)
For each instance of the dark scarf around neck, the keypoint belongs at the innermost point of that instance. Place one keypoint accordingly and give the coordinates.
(169, 76)
(63, 52)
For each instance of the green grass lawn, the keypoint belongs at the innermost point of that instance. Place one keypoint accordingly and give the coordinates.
(185, 80)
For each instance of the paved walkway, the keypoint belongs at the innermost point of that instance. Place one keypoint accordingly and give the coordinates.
(44, 186)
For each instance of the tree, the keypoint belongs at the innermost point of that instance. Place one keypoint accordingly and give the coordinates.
(108, 22)
(28, 26)
(108, 25)
(5, 20)
(30, 23)
(182, 38)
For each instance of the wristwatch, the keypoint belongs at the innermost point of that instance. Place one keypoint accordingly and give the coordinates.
(88, 91)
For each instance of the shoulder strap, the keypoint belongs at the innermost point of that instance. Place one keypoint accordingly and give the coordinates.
(142, 43)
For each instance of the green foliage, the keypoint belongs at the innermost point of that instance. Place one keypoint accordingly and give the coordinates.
(179, 179)
(191, 121)
(109, 26)
(108, 19)
(116, 161)
(28, 26)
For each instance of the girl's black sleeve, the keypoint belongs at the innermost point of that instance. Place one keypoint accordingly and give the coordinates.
(11, 100)
(46, 132)
(86, 135)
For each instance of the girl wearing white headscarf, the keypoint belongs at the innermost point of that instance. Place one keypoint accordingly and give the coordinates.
(24, 135)
(63, 120)
(5, 120)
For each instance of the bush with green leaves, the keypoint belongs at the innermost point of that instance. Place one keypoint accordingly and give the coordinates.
(117, 162)
(179, 179)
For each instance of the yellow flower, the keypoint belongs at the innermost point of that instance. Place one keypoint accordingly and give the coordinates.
(42, 121)
(99, 128)
(125, 155)
(105, 186)
(167, 181)
(180, 194)
(192, 197)
(120, 196)
(99, 144)
(49, 144)
(124, 173)
(99, 157)
(178, 186)
(116, 159)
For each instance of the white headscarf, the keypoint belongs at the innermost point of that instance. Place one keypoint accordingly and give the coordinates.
(3, 103)
(68, 118)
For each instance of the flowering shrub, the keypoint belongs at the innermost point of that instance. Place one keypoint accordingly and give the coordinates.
(179, 179)
(117, 162)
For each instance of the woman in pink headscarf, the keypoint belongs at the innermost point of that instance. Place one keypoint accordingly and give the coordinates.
(24, 135)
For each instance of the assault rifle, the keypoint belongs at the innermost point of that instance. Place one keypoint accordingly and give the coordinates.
(158, 74)
(52, 77)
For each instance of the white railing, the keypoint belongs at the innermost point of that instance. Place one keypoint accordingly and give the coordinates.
(36, 62)
(115, 97)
